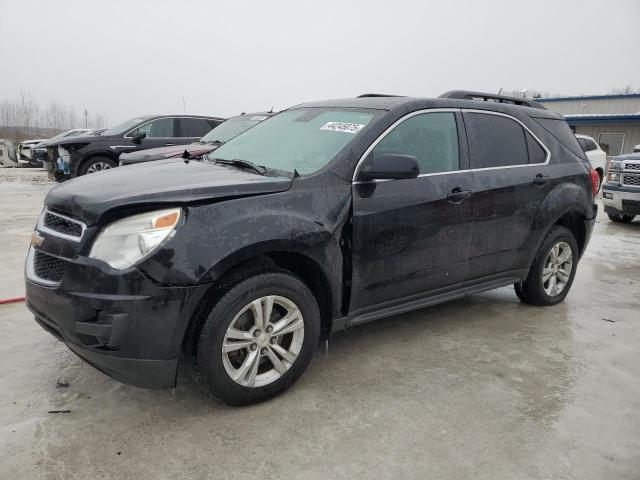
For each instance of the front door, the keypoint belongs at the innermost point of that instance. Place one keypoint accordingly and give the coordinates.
(414, 235)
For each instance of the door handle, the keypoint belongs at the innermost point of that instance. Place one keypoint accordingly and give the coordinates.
(458, 195)
(540, 179)
(169, 144)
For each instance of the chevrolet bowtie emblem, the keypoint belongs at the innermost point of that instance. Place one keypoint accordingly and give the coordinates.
(36, 239)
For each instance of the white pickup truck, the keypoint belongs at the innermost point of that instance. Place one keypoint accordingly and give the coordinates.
(621, 191)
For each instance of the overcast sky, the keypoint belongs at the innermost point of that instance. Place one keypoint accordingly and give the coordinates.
(126, 58)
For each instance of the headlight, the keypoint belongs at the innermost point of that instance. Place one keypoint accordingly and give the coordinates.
(127, 241)
(613, 169)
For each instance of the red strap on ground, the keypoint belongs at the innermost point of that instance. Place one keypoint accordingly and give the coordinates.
(12, 300)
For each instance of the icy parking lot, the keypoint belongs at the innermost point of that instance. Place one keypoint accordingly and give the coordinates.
(483, 387)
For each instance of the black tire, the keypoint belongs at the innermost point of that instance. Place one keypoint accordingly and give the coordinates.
(209, 370)
(532, 290)
(88, 164)
(620, 218)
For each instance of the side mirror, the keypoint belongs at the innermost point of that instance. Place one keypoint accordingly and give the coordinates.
(390, 166)
(636, 149)
(137, 138)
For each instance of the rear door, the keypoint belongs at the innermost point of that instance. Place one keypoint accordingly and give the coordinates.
(511, 177)
(411, 236)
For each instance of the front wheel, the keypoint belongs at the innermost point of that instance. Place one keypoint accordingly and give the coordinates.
(552, 271)
(258, 339)
(620, 218)
(96, 164)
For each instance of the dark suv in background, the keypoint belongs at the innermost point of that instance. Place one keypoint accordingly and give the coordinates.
(224, 132)
(325, 216)
(72, 157)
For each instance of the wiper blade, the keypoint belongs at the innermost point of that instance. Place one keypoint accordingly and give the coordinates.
(238, 162)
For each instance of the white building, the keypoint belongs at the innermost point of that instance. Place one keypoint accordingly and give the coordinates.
(613, 120)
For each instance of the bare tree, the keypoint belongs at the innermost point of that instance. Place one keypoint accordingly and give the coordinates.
(99, 121)
(54, 115)
(27, 110)
(71, 119)
(8, 112)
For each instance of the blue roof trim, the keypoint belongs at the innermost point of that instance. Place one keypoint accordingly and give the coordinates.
(595, 119)
(589, 97)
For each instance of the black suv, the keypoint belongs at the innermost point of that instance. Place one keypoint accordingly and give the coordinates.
(324, 216)
(79, 155)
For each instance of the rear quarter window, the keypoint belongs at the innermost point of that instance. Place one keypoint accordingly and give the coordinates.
(561, 131)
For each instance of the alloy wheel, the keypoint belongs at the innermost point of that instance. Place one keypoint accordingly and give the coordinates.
(557, 269)
(263, 341)
(98, 166)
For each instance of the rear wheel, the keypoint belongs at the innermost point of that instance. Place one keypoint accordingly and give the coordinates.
(258, 339)
(620, 218)
(552, 271)
(96, 164)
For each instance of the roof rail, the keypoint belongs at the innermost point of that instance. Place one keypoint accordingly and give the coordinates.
(369, 95)
(491, 97)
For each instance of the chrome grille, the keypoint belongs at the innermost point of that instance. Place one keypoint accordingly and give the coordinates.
(48, 267)
(61, 226)
(633, 180)
(632, 166)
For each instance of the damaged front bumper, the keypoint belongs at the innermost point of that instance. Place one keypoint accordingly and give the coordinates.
(120, 321)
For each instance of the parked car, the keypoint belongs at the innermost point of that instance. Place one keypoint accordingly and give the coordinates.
(596, 156)
(69, 158)
(39, 150)
(25, 151)
(325, 216)
(212, 140)
(8, 157)
(621, 191)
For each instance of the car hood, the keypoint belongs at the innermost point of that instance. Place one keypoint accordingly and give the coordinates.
(161, 153)
(81, 139)
(173, 182)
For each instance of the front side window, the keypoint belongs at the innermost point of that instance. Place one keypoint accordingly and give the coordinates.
(495, 141)
(301, 139)
(432, 138)
(160, 128)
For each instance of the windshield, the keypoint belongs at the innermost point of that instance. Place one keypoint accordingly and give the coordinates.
(124, 126)
(302, 139)
(232, 127)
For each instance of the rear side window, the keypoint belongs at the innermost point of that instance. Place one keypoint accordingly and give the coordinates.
(583, 143)
(195, 127)
(495, 141)
(430, 137)
(561, 131)
(591, 145)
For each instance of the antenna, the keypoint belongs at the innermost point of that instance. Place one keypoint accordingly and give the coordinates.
(184, 105)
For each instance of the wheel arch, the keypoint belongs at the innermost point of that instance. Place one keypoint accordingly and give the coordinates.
(566, 205)
(102, 153)
(240, 267)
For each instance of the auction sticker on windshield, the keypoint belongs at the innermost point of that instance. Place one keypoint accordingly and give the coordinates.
(342, 127)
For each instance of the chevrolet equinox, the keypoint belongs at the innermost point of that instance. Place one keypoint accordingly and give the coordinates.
(324, 216)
